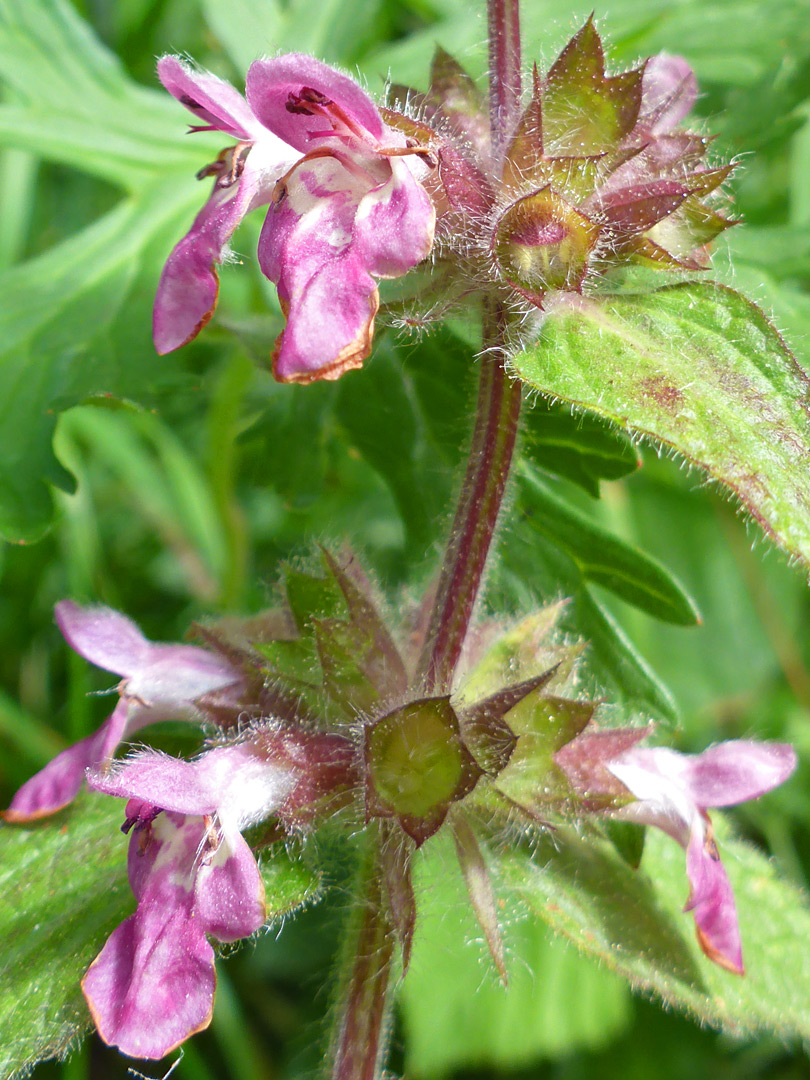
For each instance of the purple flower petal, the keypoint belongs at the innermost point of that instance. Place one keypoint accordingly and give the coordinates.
(163, 682)
(307, 248)
(237, 784)
(273, 84)
(58, 783)
(212, 100)
(394, 224)
(736, 771)
(152, 985)
(175, 677)
(230, 892)
(160, 780)
(189, 285)
(105, 637)
(712, 902)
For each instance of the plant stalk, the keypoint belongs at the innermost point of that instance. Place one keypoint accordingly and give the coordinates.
(498, 409)
(479, 504)
(504, 70)
(359, 1044)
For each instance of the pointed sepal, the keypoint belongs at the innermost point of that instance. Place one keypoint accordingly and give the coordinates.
(584, 110)
(395, 860)
(485, 729)
(479, 886)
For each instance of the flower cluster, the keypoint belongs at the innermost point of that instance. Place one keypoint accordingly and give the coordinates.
(319, 709)
(318, 715)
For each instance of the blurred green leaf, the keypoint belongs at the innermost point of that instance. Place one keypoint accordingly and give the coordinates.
(634, 923)
(77, 105)
(603, 558)
(164, 484)
(67, 332)
(408, 419)
(332, 31)
(701, 369)
(456, 1012)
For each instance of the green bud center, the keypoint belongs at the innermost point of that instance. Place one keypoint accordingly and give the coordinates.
(415, 757)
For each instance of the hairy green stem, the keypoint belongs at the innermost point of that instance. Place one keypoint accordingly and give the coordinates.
(498, 409)
(359, 1042)
(482, 492)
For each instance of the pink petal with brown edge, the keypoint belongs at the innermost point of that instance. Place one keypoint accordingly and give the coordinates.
(189, 285)
(152, 985)
(307, 247)
(711, 901)
(58, 783)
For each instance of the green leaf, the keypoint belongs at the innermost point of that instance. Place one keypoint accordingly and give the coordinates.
(605, 559)
(77, 104)
(63, 890)
(455, 1011)
(577, 446)
(700, 369)
(633, 922)
(67, 331)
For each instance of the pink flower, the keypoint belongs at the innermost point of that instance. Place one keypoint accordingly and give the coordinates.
(674, 791)
(194, 877)
(160, 682)
(346, 208)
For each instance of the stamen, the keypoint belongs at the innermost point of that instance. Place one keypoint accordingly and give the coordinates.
(228, 167)
(311, 102)
(412, 148)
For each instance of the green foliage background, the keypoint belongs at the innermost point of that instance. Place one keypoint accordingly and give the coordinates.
(171, 488)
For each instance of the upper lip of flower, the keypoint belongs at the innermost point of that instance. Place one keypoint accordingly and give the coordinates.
(159, 682)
